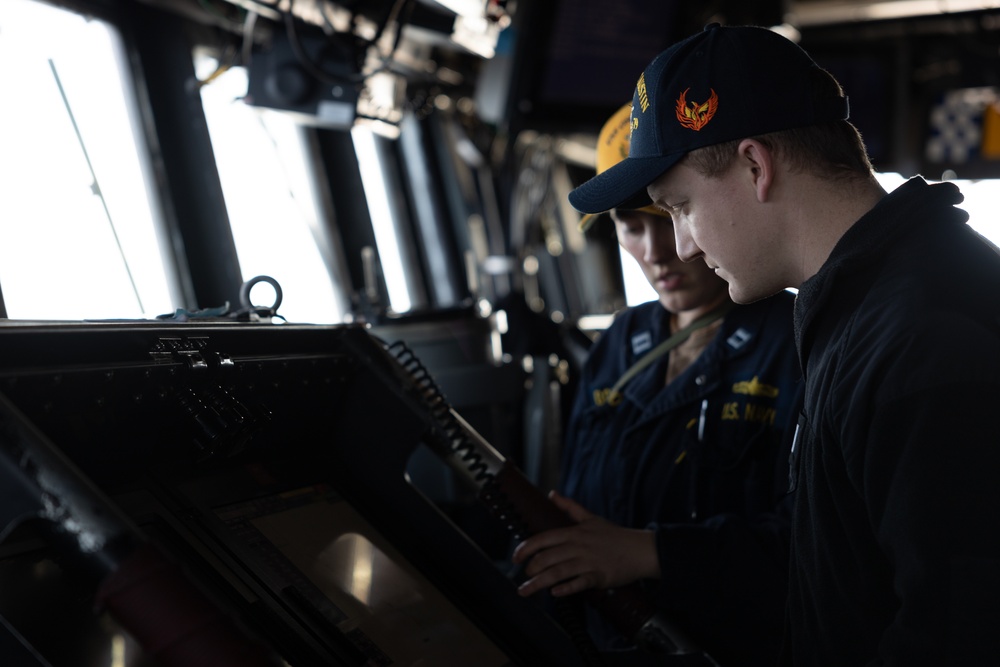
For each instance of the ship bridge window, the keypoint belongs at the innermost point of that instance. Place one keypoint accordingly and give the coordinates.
(78, 217)
(270, 188)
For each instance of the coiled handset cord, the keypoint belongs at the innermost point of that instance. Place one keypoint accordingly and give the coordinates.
(526, 510)
(462, 448)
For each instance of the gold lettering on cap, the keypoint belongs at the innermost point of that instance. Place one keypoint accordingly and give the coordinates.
(640, 88)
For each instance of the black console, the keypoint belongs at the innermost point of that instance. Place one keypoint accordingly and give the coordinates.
(267, 463)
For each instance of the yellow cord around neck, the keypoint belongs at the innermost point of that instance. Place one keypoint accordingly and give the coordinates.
(670, 343)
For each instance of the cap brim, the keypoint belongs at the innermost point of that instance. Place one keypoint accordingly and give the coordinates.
(621, 186)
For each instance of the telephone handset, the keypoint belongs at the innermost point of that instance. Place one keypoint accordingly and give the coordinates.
(526, 510)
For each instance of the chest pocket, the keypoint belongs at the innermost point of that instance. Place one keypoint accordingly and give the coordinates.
(737, 432)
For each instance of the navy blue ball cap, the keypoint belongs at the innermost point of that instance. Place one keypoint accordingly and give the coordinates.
(721, 84)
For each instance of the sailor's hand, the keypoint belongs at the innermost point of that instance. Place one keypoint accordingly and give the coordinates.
(595, 553)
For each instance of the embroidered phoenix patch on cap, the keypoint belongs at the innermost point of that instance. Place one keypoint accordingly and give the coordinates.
(695, 115)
